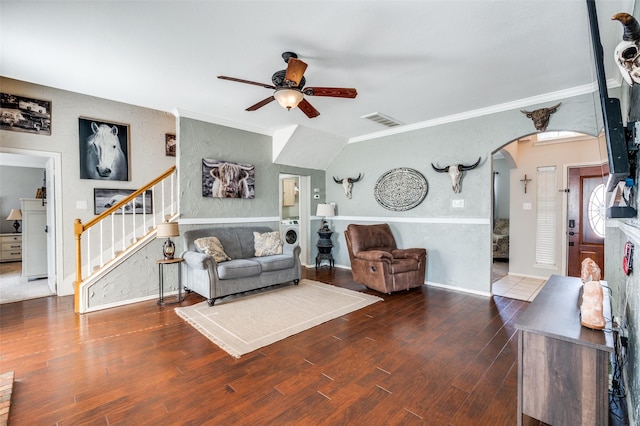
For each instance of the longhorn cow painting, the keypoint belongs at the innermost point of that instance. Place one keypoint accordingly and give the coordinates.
(226, 179)
(104, 150)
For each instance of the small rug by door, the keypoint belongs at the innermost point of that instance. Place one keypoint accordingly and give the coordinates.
(248, 322)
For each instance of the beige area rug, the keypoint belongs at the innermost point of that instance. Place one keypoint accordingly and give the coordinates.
(12, 289)
(251, 321)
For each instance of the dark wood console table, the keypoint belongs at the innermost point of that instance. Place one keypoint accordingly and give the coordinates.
(563, 367)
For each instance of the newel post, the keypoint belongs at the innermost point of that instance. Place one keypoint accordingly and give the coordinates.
(78, 228)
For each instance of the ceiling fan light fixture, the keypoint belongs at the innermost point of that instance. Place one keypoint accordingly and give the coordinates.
(288, 98)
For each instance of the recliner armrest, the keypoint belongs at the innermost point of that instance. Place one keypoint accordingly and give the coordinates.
(374, 255)
(415, 253)
(197, 260)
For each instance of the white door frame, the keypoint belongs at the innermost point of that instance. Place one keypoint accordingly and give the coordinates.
(305, 217)
(54, 257)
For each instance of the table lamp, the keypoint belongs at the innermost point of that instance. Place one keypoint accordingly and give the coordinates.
(325, 210)
(16, 215)
(168, 230)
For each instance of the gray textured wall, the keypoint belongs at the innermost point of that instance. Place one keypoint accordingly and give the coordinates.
(458, 240)
(200, 139)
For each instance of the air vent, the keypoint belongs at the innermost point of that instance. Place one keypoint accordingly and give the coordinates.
(385, 120)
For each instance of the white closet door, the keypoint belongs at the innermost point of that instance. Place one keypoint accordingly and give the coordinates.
(34, 239)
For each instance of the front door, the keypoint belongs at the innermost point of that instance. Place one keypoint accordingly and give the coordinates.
(586, 215)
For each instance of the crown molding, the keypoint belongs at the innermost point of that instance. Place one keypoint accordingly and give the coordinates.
(521, 103)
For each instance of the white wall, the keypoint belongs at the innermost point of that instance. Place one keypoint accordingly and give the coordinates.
(17, 183)
(146, 154)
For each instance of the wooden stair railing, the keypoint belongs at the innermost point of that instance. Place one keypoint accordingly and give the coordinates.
(79, 228)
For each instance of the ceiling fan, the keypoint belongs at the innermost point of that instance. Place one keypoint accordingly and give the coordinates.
(289, 88)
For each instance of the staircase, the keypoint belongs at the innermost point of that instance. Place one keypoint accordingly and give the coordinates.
(111, 237)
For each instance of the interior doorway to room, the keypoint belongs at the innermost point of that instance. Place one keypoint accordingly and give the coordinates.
(50, 162)
(294, 212)
(586, 216)
(579, 199)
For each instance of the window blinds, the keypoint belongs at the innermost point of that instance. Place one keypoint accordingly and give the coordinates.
(546, 212)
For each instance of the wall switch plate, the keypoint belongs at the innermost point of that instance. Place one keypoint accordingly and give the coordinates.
(526, 206)
(81, 205)
(457, 204)
(316, 189)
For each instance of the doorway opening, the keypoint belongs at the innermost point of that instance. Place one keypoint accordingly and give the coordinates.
(538, 168)
(50, 162)
(294, 212)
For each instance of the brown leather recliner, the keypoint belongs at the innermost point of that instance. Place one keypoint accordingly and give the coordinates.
(377, 262)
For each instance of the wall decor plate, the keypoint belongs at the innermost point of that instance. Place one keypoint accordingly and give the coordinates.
(401, 189)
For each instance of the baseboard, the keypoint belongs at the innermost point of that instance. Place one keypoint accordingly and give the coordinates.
(458, 289)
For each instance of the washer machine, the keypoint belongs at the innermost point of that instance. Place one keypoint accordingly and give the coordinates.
(290, 231)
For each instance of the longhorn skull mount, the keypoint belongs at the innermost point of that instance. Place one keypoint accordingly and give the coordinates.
(541, 116)
(455, 172)
(347, 183)
(627, 52)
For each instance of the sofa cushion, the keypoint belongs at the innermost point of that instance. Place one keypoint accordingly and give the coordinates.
(213, 247)
(238, 268)
(267, 243)
(275, 263)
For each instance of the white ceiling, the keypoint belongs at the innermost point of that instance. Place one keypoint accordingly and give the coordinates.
(415, 61)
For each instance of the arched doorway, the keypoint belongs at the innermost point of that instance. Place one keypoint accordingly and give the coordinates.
(537, 245)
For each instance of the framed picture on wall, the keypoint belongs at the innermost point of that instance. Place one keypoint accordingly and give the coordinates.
(170, 145)
(104, 150)
(226, 179)
(105, 198)
(20, 114)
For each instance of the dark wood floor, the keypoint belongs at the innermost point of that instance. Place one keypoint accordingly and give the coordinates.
(426, 356)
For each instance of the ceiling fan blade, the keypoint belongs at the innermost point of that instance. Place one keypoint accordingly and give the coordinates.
(295, 71)
(334, 92)
(261, 103)
(239, 80)
(308, 109)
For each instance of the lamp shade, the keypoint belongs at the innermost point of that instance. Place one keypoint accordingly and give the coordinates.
(15, 214)
(167, 230)
(326, 210)
(288, 98)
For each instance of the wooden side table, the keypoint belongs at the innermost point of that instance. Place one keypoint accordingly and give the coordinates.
(161, 263)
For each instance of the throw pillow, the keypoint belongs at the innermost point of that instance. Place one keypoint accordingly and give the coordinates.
(213, 247)
(267, 244)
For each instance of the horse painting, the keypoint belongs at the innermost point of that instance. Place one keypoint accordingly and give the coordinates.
(103, 153)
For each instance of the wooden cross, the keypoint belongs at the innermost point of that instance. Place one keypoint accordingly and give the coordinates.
(526, 181)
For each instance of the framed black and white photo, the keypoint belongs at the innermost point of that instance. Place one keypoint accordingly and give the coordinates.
(170, 145)
(106, 198)
(20, 114)
(104, 150)
(226, 179)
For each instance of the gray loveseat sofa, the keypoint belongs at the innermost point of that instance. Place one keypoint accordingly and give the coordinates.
(244, 272)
